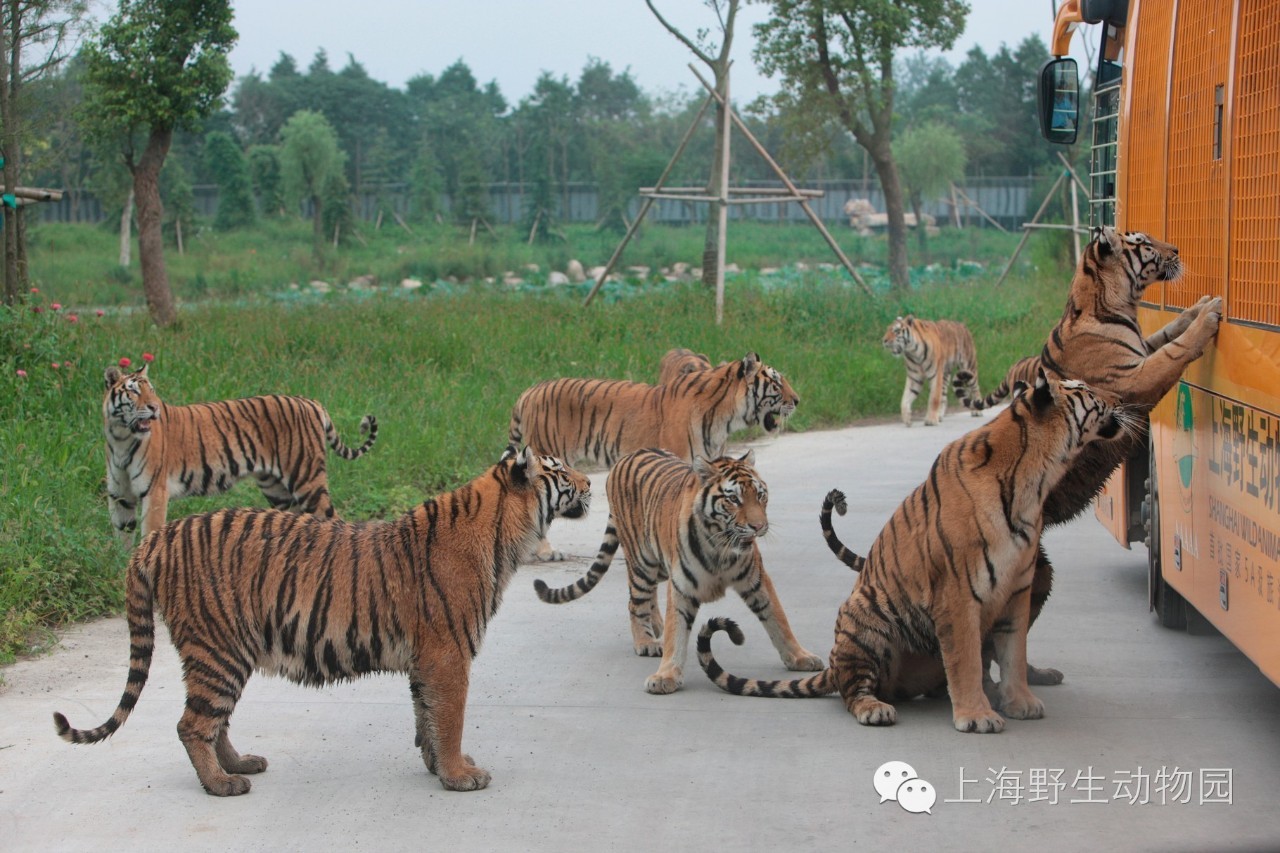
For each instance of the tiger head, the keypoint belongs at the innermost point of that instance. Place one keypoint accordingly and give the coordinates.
(898, 336)
(733, 499)
(1129, 262)
(1087, 414)
(770, 397)
(563, 492)
(131, 404)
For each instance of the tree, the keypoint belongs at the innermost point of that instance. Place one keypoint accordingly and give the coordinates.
(717, 59)
(835, 58)
(268, 182)
(929, 157)
(226, 162)
(46, 27)
(153, 69)
(309, 156)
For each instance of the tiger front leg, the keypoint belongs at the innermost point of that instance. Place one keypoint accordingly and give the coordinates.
(1177, 325)
(1161, 370)
(231, 760)
(440, 702)
(960, 640)
(681, 611)
(909, 393)
(124, 518)
(1009, 634)
(762, 599)
(155, 507)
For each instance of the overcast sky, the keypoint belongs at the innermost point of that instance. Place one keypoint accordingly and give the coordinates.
(513, 41)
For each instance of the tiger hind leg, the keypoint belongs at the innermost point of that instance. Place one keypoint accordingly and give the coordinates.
(211, 697)
(859, 663)
(308, 496)
(646, 615)
(937, 400)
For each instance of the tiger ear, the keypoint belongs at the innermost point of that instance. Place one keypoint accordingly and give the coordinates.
(750, 365)
(1107, 238)
(525, 464)
(111, 375)
(511, 450)
(1045, 394)
(911, 319)
(748, 458)
(705, 470)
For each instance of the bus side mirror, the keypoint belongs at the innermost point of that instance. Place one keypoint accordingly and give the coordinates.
(1058, 100)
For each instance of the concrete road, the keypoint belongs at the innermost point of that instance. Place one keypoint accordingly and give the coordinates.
(1156, 728)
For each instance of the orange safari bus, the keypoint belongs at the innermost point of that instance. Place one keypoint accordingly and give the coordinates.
(1185, 146)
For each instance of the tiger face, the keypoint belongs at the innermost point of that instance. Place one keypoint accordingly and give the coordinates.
(898, 335)
(1141, 259)
(734, 499)
(772, 399)
(131, 402)
(1093, 415)
(563, 492)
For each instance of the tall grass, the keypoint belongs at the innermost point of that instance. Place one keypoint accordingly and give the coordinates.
(440, 367)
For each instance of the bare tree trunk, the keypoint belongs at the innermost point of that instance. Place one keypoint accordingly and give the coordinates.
(11, 151)
(126, 231)
(146, 186)
(895, 209)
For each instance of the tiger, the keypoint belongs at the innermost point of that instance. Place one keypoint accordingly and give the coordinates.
(953, 565)
(695, 526)
(932, 349)
(601, 420)
(679, 361)
(1098, 341)
(156, 452)
(1022, 371)
(320, 600)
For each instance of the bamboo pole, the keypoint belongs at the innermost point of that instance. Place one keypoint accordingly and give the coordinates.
(648, 202)
(971, 203)
(722, 211)
(813, 217)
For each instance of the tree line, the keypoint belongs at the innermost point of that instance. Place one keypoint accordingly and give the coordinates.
(146, 106)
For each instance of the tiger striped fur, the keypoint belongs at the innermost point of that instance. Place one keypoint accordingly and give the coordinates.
(1022, 372)
(602, 420)
(953, 565)
(157, 452)
(694, 526)
(321, 600)
(1098, 341)
(931, 349)
(679, 361)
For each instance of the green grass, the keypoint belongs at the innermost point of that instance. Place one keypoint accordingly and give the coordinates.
(439, 367)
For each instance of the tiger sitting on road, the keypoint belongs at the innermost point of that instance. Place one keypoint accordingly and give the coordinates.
(602, 420)
(953, 565)
(156, 452)
(694, 526)
(322, 600)
(1098, 341)
(932, 350)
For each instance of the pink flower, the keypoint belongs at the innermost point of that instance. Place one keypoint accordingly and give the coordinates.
(100, 312)
(22, 374)
(35, 290)
(72, 318)
(125, 362)
(57, 306)
(148, 357)
(55, 365)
